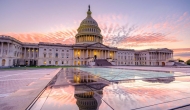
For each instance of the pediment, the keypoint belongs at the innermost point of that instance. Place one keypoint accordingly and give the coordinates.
(166, 49)
(98, 45)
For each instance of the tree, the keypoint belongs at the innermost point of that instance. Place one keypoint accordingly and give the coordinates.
(181, 60)
(188, 62)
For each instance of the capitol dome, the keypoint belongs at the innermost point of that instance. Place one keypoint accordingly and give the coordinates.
(88, 31)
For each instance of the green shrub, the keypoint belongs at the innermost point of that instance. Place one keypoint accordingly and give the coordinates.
(181, 60)
(188, 62)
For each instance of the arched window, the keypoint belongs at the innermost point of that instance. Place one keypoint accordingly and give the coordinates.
(3, 62)
(44, 62)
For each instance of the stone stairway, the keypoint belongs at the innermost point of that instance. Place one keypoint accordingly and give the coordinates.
(102, 62)
(179, 64)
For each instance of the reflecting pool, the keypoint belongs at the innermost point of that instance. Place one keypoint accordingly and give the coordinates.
(114, 89)
(123, 74)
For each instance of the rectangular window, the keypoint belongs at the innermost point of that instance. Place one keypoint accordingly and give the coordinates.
(44, 55)
(50, 55)
(56, 55)
(49, 62)
(56, 62)
(67, 55)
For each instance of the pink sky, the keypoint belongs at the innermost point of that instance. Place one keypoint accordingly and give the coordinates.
(163, 24)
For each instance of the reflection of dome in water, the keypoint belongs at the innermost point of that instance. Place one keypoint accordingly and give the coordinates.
(86, 101)
(88, 31)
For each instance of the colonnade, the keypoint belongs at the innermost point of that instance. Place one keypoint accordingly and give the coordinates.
(160, 55)
(90, 53)
(29, 53)
(2, 49)
(88, 38)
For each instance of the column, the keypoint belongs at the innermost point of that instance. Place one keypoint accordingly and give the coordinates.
(91, 53)
(172, 55)
(25, 53)
(73, 55)
(80, 53)
(83, 54)
(29, 52)
(87, 53)
(33, 52)
(2, 49)
(109, 54)
(8, 50)
(164, 56)
(105, 54)
(102, 54)
(99, 57)
(113, 54)
(116, 55)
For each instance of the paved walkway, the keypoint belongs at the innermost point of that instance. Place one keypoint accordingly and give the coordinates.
(20, 87)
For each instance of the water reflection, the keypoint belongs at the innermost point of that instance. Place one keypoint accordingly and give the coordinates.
(74, 89)
(88, 91)
(160, 80)
(89, 100)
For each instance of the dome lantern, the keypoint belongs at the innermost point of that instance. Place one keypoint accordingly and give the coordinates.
(89, 12)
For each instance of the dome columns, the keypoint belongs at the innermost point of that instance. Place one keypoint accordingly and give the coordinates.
(88, 38)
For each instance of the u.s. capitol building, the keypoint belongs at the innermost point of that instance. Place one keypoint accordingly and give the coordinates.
(88, 50)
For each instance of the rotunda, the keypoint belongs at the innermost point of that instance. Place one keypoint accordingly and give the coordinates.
(88, 31)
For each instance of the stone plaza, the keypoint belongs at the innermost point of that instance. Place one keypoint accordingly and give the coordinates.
(92, 88)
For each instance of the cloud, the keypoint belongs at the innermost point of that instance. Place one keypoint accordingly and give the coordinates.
(183, 54)
(181, 50)
(116, 33)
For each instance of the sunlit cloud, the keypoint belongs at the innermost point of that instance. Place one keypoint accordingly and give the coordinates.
(116, 33)
(182, 53)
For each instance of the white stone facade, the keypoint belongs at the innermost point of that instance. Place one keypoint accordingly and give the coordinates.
(88, 46)
(153, 57)
(15, 53)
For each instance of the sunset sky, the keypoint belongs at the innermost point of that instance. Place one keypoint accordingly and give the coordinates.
(134, 24)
